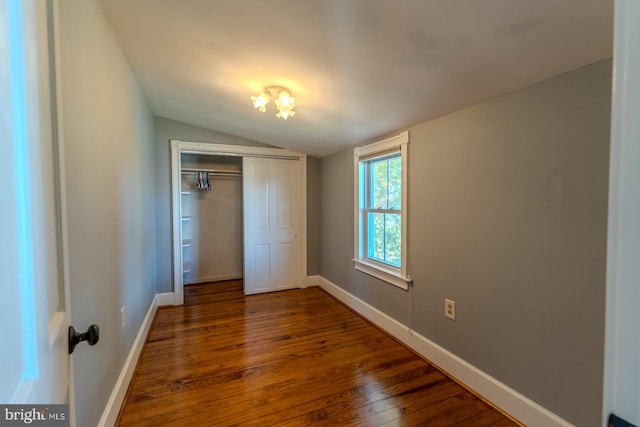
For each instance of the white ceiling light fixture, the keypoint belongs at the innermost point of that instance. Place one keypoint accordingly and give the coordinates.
(281, 97)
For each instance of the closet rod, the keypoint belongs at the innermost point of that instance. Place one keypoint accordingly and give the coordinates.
(214, 171)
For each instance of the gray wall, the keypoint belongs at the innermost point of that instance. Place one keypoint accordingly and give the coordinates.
(508, 217)
(313, 216)
(108, 137)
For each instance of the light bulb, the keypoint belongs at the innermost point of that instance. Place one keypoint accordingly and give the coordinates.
(260, 101)
(285, 100)
(285, 114)
(282, 98)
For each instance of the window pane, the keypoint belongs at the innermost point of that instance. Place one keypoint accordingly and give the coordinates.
(386, 183)
(376, 236)
(385, 238)
(378, 195)
(393, 239)
(394, 186)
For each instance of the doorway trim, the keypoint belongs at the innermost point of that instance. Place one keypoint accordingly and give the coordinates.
(178, 148)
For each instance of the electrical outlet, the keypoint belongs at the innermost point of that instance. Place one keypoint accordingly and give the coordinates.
(123, 319)
(449, 309)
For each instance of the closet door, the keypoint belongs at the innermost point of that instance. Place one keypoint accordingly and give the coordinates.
(272, 251)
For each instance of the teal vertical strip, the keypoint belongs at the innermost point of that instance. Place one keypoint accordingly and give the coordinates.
(23, 190)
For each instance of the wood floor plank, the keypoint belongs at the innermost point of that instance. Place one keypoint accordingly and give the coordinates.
(292, 358)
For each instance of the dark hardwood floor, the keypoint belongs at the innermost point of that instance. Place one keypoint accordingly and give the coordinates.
(293, 358)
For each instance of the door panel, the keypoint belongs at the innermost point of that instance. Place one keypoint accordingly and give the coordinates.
(261, 264)
(282, 267)
(272, 197)
(282, 180)
(32, 209)
(260, 196)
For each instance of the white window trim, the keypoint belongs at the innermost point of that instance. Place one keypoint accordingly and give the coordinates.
(394, 276)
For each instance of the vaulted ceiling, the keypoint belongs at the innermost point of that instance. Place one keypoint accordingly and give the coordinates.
(358, 69)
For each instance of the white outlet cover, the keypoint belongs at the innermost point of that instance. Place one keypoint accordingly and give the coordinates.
(449, 309)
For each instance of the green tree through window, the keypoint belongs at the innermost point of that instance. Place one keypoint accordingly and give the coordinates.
(384, 204)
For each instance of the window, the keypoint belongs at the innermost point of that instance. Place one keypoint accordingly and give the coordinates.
(380, 210)
(383, 209)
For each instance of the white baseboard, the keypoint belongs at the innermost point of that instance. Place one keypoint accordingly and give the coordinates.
(166, 298)
(110, 413)
(312, 281)
(515, 404)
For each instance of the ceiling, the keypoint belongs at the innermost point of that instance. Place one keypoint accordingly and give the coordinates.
(358, 69)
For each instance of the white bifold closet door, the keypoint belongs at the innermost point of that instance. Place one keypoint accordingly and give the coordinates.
(272, 210)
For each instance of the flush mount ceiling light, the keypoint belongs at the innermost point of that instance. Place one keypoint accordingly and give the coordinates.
(281, 97)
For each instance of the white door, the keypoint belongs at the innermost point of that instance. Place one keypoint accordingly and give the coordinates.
(34, 310)
(272, 249)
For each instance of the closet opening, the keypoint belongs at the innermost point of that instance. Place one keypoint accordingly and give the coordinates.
(238, 212)
(211, 220)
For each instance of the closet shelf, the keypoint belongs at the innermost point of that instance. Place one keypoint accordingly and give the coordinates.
(186, 218)
(186, 267)
(185, 193)
(186, 242)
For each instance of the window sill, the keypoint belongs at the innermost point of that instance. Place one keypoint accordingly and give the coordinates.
(379, 272)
